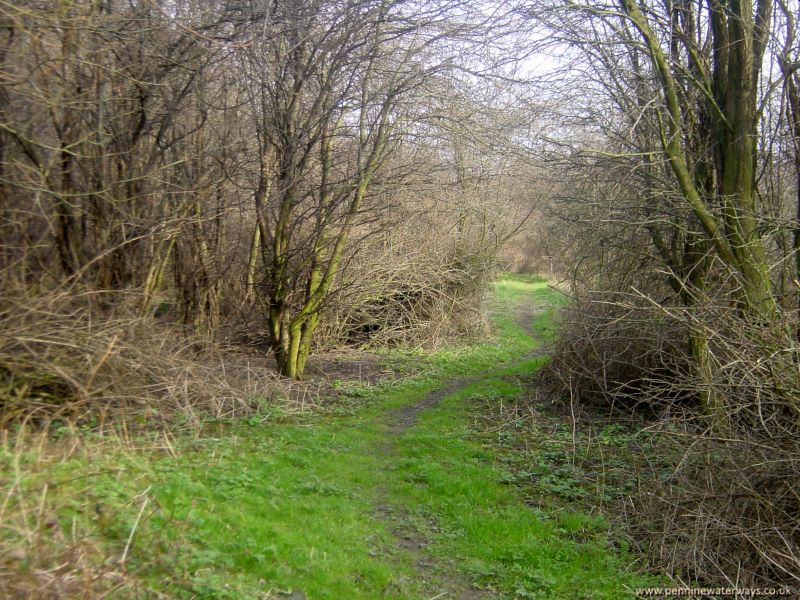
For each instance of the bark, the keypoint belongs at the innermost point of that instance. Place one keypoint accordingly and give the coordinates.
(739, 39)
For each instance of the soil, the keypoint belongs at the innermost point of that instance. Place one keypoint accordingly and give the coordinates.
(405, 417)
(348, 365)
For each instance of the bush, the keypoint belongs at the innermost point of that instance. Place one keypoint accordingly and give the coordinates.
(61, 358)
(719, 504)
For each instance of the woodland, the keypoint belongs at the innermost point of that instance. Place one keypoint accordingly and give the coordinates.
(399, 298)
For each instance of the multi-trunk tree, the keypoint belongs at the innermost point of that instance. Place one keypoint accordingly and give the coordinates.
(234, 146)
(724, 66)
(329, 86)
(686, 87)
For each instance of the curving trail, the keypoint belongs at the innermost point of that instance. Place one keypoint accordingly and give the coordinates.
(397, 491)
(412, 539)
(438, 579)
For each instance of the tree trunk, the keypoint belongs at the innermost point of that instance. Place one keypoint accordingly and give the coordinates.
(739, 40)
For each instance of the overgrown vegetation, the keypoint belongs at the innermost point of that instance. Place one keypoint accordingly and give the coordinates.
(246, 508)
(683, 208)
(200, 201)
(242, 171)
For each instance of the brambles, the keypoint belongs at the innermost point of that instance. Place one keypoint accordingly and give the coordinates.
(228, 168)
(682, 205)
(60, 361)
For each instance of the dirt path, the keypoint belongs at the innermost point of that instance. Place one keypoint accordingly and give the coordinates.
(403, 491)
(403, 418)
(439, 584)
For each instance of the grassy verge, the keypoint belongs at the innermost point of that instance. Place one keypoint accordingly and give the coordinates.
(258, 507)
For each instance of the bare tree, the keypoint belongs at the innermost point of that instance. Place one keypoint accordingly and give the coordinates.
(328, 85)
(681, 98)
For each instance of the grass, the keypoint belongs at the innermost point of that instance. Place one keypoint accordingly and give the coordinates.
(496, 540)
(250, 509)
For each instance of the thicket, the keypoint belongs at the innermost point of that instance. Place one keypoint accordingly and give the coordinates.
(195, 193)
(178, 176)
(680, 208)
(181, 180)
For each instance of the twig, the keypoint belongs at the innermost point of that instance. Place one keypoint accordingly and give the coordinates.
(135, 526)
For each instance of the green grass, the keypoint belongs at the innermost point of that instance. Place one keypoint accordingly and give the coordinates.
(249, 508)
(494, 539)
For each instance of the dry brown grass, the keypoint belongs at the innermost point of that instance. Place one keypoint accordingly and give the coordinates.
(62, 361)
(39, 556)
(721, 511)
(78, 385)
